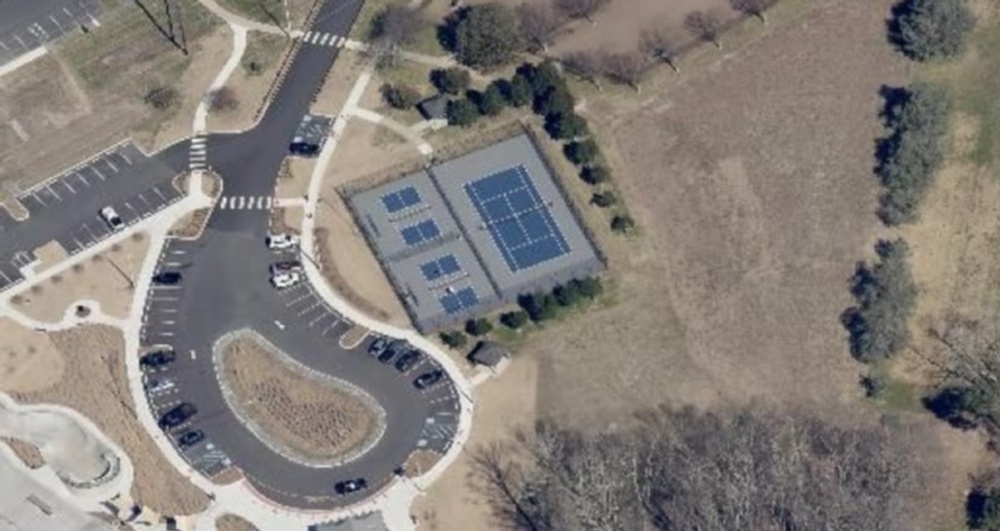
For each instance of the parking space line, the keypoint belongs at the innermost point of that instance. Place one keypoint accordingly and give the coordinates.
(328, 328)
(25, 46)
(159, 193)
(112, 166)
(66, 184)
(309, 309)
(78, 176)
(298, 300)
(4, 46)
(52, 192)
(123, 156)
(78, 244)
(34, 195)
(178, 251)
(99, 174)
(168, 310)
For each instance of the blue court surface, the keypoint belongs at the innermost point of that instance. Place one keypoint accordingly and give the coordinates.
(442, 267)
(456, 301)
(420, 232)
(518, 220)
(400, 199)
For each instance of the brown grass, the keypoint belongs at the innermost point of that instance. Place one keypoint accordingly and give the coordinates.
(251, 87)
(28, 359)
(231, 522)
(307, 415)
(95, 384)
(26, 452)
(108, 279)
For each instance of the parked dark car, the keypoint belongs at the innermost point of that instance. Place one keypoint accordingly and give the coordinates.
(387, 355)
(378, 346)
(349, 486)
(304, 149)
(409, 360)
(190, 438)
(158, 358)
(178, 415)
(168, 278)
(428, 379)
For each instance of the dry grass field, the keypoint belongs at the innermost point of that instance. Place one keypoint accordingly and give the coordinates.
(231, 522)
(277, 12)
(309, 416)
(252, 82)
(752, 185)
(93, 381)
(108, 278)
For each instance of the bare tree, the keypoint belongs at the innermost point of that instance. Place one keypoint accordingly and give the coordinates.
(657, 44)
(581, 8)
(396, 25)
(689, 470)
(968, 358)
(629, 68)
(587, 65)
(757, 8)
(540, 23)
(705, 25)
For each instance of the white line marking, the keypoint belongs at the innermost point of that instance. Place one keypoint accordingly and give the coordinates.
(51, 191)
(278, 324)
(113, 167)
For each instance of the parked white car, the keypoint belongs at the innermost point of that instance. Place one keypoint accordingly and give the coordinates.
(282, 241)
(112, 218)
(286, 279)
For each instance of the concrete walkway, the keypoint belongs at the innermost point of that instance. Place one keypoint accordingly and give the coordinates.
(239, 20)
(406, 132)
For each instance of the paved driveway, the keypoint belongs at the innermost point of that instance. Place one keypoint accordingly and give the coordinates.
(29, 24)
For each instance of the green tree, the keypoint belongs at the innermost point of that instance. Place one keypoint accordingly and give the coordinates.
(622, 224)
(886, 297)
(558, 100)
(400, 96)
(932, 29)
(487, 36)
(909, 157)
(544, 77)
(603, 199)
(567, 294)
(582, 153)
(595, 174)
(520, 93)
(589, 287)
(566, 126)
(491, 101)
(514, 320)
(983, 509)
(539, 306)
(462, 112)
(478, 327)
(454, 80)
(454, 339)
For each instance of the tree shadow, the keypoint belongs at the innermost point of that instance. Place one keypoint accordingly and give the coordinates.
(167, 32)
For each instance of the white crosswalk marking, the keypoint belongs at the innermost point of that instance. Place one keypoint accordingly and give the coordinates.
(198, 153)
(341, 41)
(246, 202)
(324, 39)
(322, 42)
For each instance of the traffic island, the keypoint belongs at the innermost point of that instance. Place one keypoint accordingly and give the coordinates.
(308, 417)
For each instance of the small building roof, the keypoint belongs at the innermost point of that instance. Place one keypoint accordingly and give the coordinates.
(488, 353)
(434, 108)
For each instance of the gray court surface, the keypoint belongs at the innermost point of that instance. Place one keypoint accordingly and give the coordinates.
(471, 234)
(29, 24)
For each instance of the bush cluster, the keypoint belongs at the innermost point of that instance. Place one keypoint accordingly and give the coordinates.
(926, 30)
(454, 339)
(886, 296)
(544, 306)
(909, 157)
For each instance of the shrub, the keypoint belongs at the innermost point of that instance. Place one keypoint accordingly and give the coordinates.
(886, 296)
(931, 29)
(486, 36)
(478, 327)
(622, 224)
(604, 199)
(462, 112)
(589, 287)
(539, 306)
(565, 126)
(514, 320)
(582, 153)
(161, 98)
(491, 101)
(454, 339)
(595, 174)
(567, 294)
(873, 384)
(556, 100)
(520, 93)
(543, 78)
(400, 96)
(454, 80)
(909, 157)
(223, 100)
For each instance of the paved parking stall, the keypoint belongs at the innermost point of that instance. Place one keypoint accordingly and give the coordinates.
(30, 24)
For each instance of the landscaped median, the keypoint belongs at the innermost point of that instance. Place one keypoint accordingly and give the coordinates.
(306, 416)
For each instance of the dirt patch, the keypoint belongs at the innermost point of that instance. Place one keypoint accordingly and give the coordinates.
(454, 501)
(108, 278)
(309, 416)
(420, 462)
(49, 255)
(95, 384)
(28, 359)
(228, 476)
(231, 522)
(251, 83)
(26, 452)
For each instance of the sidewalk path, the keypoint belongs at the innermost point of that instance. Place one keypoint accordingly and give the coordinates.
(238, 20)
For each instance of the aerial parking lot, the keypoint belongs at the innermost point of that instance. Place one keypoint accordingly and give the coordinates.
(26, 26)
